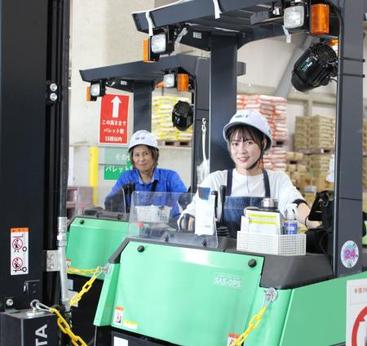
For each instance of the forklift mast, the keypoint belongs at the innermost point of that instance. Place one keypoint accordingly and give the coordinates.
(33, 145)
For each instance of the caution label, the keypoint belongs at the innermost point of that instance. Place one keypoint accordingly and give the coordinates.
(118, 316)
(231, 338)
(19, 251)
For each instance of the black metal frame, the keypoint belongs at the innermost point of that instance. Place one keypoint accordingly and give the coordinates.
(232, 30)
(140, 77)
(33, 140)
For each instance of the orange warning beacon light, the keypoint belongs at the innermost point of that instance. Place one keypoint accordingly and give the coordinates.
(182, 82)
(146, 50)
(88, 95)
(320, 19)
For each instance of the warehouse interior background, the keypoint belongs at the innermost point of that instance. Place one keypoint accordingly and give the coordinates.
(144, 267)
(103, 33)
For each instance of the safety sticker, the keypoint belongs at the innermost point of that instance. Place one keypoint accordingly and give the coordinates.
(118, 316)
(130, 324)
(119, 341)
(349, 254)
(19, 250)
(231, 337)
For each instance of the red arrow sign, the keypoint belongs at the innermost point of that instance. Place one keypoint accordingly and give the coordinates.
(113, 119)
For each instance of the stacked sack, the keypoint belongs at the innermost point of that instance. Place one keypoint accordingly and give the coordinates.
(364, 169)
(275, 159)
(162, 126)
(318, 169)
(314, 132)
(274, 109)
(314, 135)
(296, 169)
(364, 154)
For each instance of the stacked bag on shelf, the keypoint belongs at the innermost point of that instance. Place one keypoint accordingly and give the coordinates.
(364, 155)
(162, 126)
(314, 136)
(296, 169)
(275, 159)
(318, 169)
(314, 133)
(273, 108)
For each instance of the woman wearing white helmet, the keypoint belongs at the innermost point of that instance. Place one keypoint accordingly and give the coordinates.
(248, 136)
(145, 175)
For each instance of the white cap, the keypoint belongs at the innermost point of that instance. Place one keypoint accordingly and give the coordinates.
(143, 137)
(249, 117)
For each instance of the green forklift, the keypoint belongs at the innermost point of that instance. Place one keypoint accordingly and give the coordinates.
(102, 229)
(164, 286)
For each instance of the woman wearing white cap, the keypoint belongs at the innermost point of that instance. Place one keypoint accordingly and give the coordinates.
(248, 136)
(145, 175)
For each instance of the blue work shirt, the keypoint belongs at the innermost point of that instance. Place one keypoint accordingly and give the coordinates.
(164, 180)
(167, 181)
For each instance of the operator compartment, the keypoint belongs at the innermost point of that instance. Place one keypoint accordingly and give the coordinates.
(170, 283)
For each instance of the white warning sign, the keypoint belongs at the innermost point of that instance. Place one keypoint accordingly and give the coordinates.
(19, 250)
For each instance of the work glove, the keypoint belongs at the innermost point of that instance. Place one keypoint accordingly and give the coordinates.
(186, 223)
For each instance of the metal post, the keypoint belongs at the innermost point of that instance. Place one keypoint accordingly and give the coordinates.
(223, 91)
(143, 106)
(201, 112)
(348, 162)
(22, 147)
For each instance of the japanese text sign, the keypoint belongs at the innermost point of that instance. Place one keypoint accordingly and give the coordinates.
(113, 119)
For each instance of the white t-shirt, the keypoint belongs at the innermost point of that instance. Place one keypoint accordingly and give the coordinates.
(281, 188)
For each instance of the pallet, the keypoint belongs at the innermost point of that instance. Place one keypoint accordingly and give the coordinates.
(169, 143)
(309, 151)
(277, 143)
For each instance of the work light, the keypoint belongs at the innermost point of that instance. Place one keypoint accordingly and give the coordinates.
(97, 89)
(158, 43)
(294, 17)
(169, 80)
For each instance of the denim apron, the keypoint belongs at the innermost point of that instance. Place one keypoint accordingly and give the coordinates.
(233, 206)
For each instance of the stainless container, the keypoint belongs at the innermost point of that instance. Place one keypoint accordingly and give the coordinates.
(269, 204)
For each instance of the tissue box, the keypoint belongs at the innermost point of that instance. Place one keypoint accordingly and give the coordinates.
(259, 221)
(274, 244)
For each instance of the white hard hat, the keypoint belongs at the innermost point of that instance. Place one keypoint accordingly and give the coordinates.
(143, 137)
(252, 118)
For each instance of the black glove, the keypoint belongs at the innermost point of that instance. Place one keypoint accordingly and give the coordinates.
(186, 222)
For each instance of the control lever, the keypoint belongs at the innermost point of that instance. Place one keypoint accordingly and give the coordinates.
(222, 193)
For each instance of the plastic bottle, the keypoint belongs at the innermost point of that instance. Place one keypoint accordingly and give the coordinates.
(290, 225)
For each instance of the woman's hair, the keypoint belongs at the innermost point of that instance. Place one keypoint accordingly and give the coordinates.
(244, 130)
(153, 151)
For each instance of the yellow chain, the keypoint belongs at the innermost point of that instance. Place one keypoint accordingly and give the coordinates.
(65, 328)
(253, 324)
(72, 270)
(86, 287)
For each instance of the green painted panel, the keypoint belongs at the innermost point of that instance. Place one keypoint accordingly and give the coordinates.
(112, 172)
(183, 295)
(106, 299)
(116, 161)
(195, 297)
(92, 241)
(316, 314)
(269, 330)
